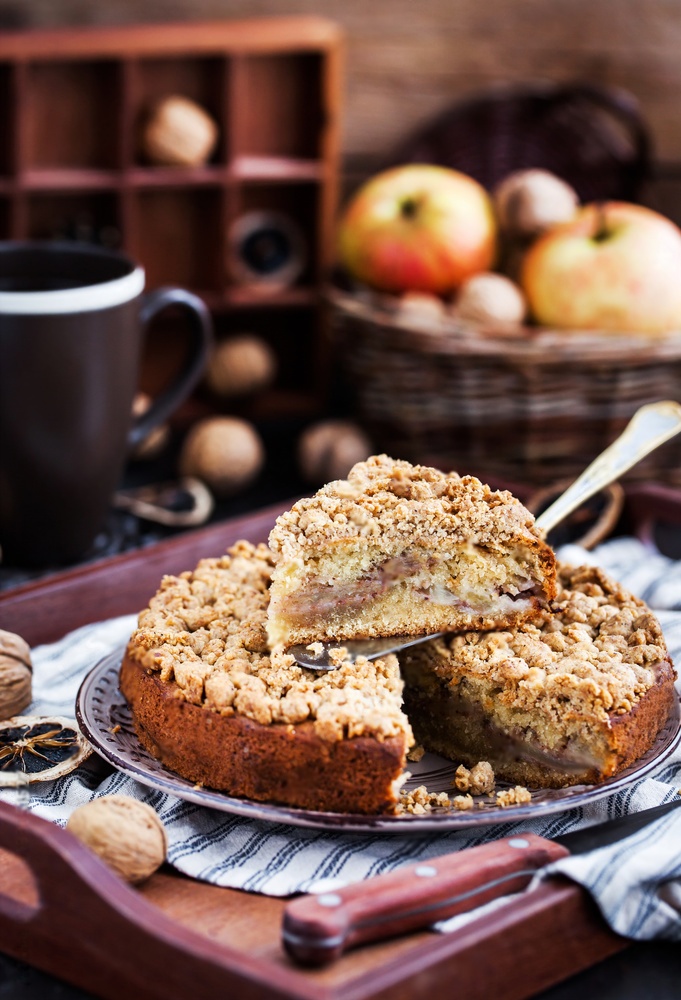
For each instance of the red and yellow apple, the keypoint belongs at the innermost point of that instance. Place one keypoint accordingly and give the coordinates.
(418, 228)
(615, 266)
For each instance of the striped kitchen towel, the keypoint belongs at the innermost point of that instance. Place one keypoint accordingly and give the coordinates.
(637, 884)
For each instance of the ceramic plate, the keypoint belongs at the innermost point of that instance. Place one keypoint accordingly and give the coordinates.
(104, 718)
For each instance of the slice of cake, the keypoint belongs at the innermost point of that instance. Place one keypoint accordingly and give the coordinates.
(210, 701)
(400, 549)
(573, 698)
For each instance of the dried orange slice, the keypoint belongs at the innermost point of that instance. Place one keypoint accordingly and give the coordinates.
(39, 748)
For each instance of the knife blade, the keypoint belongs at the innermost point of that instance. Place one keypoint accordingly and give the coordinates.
(317, 929)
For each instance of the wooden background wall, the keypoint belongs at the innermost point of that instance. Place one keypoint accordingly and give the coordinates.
(408, 59)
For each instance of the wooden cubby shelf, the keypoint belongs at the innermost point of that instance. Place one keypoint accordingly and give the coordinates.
(72, 104)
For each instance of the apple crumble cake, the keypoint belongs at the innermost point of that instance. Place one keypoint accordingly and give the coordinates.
(401, 549)
(211, 701)
(573, 698)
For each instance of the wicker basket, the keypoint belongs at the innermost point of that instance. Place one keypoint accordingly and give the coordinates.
(531, 408)
(593, 137)
(537, 407)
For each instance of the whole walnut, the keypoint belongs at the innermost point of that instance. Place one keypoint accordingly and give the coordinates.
(328, 450)
(421, 310)
(241, 365)
(178, 132)
(224, 452)
(490, 299)
(529, 202)
(16, 672)
(125, 833)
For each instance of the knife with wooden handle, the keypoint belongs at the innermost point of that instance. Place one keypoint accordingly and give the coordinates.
(317, 929)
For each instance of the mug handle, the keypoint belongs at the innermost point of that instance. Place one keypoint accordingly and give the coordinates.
(201, 328)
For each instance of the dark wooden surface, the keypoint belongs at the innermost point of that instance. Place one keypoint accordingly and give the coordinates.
(645, 970)
(108, 939)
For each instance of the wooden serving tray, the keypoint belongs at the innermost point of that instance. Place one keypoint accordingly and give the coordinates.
(63, 911)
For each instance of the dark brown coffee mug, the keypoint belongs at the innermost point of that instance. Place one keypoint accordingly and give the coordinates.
(72, 319)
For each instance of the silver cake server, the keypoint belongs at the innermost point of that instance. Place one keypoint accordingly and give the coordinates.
(650, 427)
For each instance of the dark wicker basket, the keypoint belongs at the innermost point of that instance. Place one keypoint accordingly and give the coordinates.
(529, 409)
(593, 137)
(537, 407)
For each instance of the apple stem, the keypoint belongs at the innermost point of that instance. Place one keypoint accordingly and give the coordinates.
(602, 231)
(409, 208)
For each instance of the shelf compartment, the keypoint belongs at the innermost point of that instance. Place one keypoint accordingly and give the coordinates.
(67, 119)
(203, 80)
(177, 237)
(293, 336)
(269, 94)
(298, 203)
(89, 217)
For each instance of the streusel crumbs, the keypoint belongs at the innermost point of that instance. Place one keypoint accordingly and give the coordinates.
(518, 796)
(400, 502)
(479, 780)
(420, 801)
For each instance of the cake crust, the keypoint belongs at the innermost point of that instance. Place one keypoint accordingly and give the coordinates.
(280, 763)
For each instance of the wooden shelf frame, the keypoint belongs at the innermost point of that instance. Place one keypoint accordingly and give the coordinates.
(71, 104)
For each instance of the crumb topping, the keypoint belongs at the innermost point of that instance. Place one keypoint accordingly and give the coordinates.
(205, 631)
(600, 651)
(518, 796)
(420, 801)
(402, 503)
(477, 781)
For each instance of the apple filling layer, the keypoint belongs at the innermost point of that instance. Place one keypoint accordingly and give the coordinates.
(402, 549)
(355, 594)
(528, 749)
